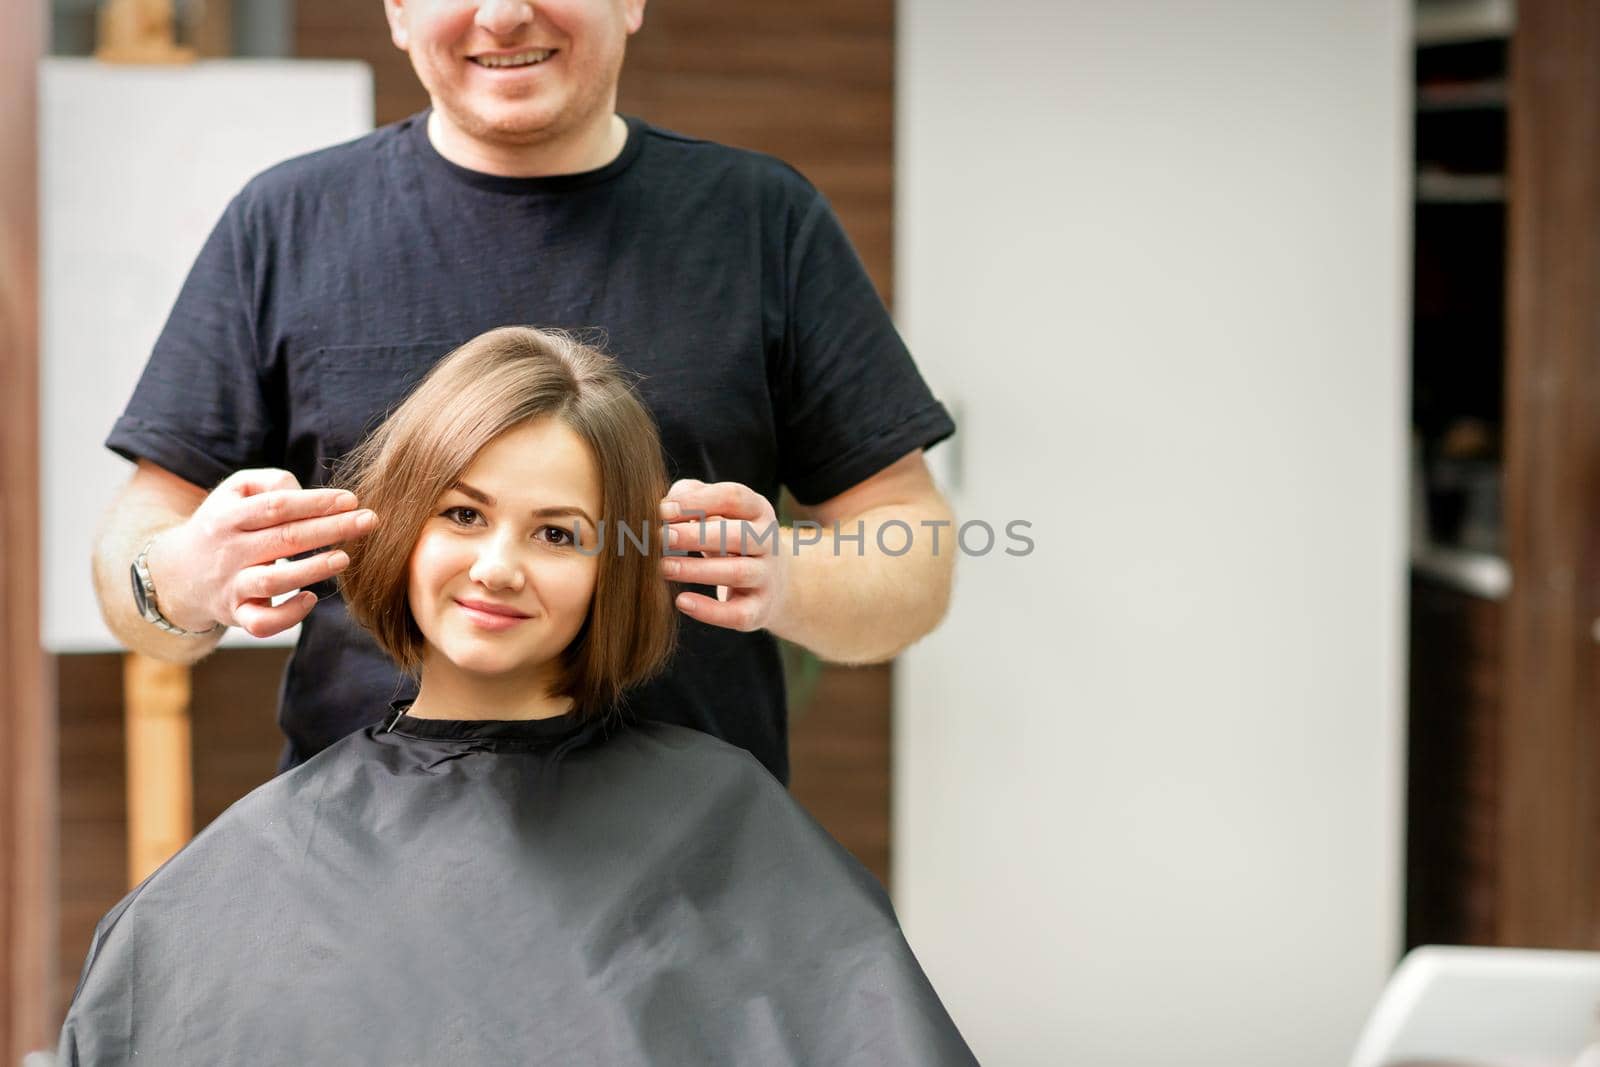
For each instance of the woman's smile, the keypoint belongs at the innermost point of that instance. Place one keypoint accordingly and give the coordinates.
(487, 616)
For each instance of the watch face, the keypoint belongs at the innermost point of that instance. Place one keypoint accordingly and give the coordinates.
(138, 592)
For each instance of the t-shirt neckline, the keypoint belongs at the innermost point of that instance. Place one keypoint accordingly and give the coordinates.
(417, 135)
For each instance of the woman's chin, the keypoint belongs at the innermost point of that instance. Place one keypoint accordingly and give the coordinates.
(488, 665)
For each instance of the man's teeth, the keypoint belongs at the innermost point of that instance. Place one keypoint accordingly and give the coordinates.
(521, 59)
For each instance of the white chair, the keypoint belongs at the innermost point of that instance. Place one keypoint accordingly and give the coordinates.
(1487, 1007)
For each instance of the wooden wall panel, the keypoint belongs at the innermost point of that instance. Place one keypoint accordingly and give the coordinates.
(355, 29)
(839, 753)
(27, 778)
(94, 811)
(1549, 885)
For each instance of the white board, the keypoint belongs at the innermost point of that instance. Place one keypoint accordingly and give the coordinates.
(136, 166)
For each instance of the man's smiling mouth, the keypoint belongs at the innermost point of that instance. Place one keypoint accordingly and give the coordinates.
(517, 59)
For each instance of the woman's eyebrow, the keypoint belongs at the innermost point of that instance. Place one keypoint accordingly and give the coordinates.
(555, 512)
(476, 494)
(564, 511)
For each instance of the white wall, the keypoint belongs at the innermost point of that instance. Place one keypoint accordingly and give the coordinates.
(1148, 797)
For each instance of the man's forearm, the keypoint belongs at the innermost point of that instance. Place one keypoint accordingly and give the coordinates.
(850, 601)
(128, 527)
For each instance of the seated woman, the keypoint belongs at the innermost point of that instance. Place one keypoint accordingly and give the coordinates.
(507, 871)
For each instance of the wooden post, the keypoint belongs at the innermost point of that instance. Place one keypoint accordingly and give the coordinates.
(209, 24)
(138, 31)
(155, 694)
(160, 780)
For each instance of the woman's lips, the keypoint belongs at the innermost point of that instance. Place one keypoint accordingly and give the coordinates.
(490, 616)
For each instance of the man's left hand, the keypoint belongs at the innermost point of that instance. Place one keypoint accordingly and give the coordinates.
(737, 530)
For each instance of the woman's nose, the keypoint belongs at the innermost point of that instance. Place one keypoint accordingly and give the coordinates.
(504, 17)
(494, 569)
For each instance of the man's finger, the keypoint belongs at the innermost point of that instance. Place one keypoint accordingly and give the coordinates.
(745, 537)
(259, 618)
(731, 615)
(255, 480)
(269, 580)
(671, 507)
(293, 538)
(739, 572)
(729, 499)
(266, 510)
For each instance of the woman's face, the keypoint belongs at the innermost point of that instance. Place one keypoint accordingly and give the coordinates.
(497, 585)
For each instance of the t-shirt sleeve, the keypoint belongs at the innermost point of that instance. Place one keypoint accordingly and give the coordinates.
(852, 399)
(200, 409)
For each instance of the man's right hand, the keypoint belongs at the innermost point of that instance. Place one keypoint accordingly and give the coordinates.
(221, 564)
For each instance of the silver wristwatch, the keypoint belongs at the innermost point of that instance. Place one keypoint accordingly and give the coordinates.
(144, 595)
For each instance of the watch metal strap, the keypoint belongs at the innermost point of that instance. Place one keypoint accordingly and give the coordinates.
(142, 570)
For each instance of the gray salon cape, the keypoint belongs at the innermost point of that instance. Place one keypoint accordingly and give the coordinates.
(547, 892)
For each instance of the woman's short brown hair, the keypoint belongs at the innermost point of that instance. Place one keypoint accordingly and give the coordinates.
(489, 385)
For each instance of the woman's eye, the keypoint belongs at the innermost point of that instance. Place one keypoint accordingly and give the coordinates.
(555, 535)
(461, 516)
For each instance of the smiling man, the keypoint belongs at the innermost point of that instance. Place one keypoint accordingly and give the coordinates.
(720, 276)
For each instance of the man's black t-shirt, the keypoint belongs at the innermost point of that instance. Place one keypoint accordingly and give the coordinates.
(721, 277)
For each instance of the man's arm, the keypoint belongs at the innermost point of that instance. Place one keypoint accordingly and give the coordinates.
(846, 599)
(852, 602)
(216, 557)
(154, 500)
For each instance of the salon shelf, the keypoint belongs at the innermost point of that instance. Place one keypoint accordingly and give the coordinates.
(1435, 188)
(1489, 94)
(1457, 21)
(1479, 574)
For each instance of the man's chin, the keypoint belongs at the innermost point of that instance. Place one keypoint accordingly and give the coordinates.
(511, 126)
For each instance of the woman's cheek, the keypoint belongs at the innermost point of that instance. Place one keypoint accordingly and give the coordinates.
(575, 583)
(578, 580)
(432, 562)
